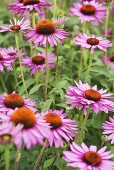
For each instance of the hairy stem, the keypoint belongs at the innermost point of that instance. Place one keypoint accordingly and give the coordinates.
(47, 72)
(40, 155)
(89, 67)
(18, 155)
(7, 157)
(21, 67)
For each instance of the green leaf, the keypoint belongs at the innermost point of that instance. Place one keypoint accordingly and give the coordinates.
(35, 88)
(28, 83)
(48, 162)
(47, 105)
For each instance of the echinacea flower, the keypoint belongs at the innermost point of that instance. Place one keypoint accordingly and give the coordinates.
(108, 128)
(5, 60)
(112, 10)
(9, 133)
(109, 61)
(12, 101)
(84, 96)
(23, 7)
(13, 52)
(89, 11)
(88, 158)
(16, 26)
(34, 130)
(38, 62)
(62, 128)
(46, 31)
(109, 33)
(92, 42)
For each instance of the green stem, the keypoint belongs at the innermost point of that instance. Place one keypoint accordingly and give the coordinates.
(82, 126)
(89, 67)
(54, 13)
(40, 155)
(7, 157)
(47, 72)
(107, 20)
(36, 76)
(18, 155)
(23, 43)
(15, 75)
(33, 19)
(57, 68)
(106, 25)
(80, 67)
(21, 67)
(3, 83)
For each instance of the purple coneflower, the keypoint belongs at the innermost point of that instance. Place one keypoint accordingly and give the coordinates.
(12, 101)
(62, 128)
(92, 42)
(9, 133)
(5, 60)
(16, 26)
(24, 6)
(38, 62)
(83, 96)
(86, 158)
(34, 129)
(13, 52)
(109, 61)
(89, 11)
(108, 127)
(46, 31)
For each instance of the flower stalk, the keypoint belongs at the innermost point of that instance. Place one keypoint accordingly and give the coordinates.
(7, 157)
(47, 72)
(89, 67)
(40, 155)
(18, 155)
(21, 67)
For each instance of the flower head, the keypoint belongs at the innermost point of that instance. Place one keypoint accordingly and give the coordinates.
(62, 128)
(89, 11)
(92, 42)
(13, 52)
(14, 100)
(38, 62)
(86, 158)
(34, 129)
(46, 31)
(109, 61)
(9, 133)
(24, 6)
(16, 26)
(83, 96)
(6, 61)
(108, 128)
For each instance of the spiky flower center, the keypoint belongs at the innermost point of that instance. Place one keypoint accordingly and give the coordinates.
(14, 100)
(38, 60)
(54, 119)
(25, 117)
(88, 9)
(92, 95)
(92, 158)
(30, 2)
(112, 58)
(46, 27)
(11, 54)
(1, 57)
(92, 41)
(15, 28)
(5, 139)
